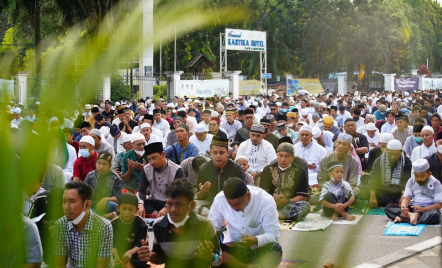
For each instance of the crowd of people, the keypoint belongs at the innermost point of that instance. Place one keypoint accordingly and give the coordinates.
(218, 174)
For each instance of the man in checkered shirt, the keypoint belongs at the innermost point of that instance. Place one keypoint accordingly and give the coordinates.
(82, 238)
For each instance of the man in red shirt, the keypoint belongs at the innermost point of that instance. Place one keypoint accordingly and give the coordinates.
(85, 163)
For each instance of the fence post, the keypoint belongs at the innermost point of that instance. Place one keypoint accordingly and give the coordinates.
(389, 82)
(421, 82)
(105, 93)
(233, 82)
(21, 92)
(173, 81)
(342, 83)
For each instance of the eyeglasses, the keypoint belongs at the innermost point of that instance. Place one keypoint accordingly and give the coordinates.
(212, 125)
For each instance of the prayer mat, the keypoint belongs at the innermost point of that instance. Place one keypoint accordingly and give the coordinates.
(404, 229)
(430, 225)
(353, 222)
(359, 207)
(376, 211)
(313, 222)
(289, 263)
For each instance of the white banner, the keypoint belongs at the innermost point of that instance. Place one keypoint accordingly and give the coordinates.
(432, 83)
(237, 39)
(203, 88)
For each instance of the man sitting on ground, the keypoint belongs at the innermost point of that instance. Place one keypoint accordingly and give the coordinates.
(288, 183)
(253, 240)
(422, 200)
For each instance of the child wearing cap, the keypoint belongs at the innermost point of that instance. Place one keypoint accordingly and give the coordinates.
(129, 231)
(422, 199)
(106, 184)
(244, 163)
(337, 194)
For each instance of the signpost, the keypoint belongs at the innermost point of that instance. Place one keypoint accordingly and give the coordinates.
(244, 40)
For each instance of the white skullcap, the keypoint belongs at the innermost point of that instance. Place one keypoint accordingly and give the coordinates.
(170, 105)
(117, 103)
(214, 114)
(322, 104)
(95, 132)
(88, 139)
(278, 104)
(136, 137)
(200, 128)
(304, 112)
(429, 129)
(370, 126)
(87, 106)
(105, 131)
(312, 101)
(394, 145)
(52, 119)
(37, 103)
(386, 137)
(306, 128)
(241, 157)
(127, 137)
(316, 131)
(145, 125)
(421, 165)
(255, 103)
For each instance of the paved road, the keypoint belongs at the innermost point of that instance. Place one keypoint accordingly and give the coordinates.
(346, 245)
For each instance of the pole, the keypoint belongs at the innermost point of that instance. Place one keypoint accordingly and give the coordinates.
(161, 55)
(220, 52)
(174, 52)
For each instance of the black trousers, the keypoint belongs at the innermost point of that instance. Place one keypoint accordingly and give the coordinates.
(331, 198)
(269, 255)
(431, 216)
(151, 205)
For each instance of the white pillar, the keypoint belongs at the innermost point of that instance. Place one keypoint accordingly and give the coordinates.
(173, 81)
(421, 82)
(146, 54)
(22, 88)
(342, 83)
(233, 83)
(105, 93)
(389, 82)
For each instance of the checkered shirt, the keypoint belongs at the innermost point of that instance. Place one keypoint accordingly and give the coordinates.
(83, 249)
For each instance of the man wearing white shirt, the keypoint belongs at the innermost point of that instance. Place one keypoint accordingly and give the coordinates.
(31, 113)
(202, 140)
(252, 220)
(343, 115)
(17, 116)
(160, 124)
(116, 139)
(258, 151)
(369, 118)
(264, 109)
(372, 134)
(69, 166)
(149, 137)
(323, 138)
(427, 148)
(311, 151)
(389, 125)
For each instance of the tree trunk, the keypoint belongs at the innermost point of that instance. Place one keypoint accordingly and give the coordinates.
(37, 37)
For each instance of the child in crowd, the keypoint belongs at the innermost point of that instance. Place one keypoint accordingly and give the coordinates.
(107, 186)
(244, 163)
(129, 230)
(282, 130)
(422, 199)
(336, 195)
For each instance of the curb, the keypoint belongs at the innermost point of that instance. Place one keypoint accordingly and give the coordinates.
(402, 254)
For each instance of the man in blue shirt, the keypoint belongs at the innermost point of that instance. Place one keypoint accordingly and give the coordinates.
(183, 148)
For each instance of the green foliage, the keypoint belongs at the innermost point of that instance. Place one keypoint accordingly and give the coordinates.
(160, 90)
(118, 89)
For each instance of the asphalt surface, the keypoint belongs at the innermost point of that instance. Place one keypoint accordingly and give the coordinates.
(346, 245)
